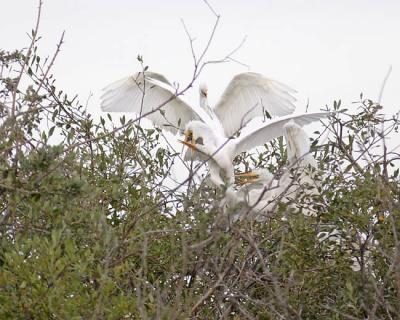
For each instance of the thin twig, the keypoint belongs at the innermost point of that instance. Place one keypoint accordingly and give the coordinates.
(212, 9)
(384, 84)
(26, 60)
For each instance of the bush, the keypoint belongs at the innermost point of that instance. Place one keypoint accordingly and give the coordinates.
(89, 229)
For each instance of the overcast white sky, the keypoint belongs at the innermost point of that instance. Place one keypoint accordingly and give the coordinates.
(325, 50)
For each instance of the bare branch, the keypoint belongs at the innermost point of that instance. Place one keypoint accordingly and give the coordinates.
(26, 60)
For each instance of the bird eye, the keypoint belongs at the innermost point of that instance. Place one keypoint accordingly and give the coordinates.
(199, 140)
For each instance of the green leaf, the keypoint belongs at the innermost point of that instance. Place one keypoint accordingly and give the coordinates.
(51, 131)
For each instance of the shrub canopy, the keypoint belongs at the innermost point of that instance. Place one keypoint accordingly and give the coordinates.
(90, 230)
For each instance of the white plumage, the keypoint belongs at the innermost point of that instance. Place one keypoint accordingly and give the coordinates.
(251, 95)
(298, 145)
(209, 132)
(205, 143)
(143, 94)
(260, 197)
(247, 96)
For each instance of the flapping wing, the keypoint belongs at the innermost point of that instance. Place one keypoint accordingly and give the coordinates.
(273, 129)
(143, 94)
(250, 95)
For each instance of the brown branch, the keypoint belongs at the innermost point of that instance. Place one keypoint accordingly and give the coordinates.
(221, 277)
(26, 60)
(53, 59)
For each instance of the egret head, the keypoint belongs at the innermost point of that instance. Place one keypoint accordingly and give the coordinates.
(199, 138)
(203, 89)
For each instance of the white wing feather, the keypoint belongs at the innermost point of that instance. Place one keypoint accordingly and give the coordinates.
(249, 95)
(298, 145)
(141, 95)
(274, 129)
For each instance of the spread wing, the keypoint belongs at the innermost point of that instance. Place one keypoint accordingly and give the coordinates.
(143, 94)
(274, 129)
(249, 95)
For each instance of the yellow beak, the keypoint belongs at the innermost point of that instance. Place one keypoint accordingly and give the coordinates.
(188, 144)
(246, 177)
(188, 140)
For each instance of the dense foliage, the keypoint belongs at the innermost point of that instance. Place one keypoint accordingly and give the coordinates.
(90, 230)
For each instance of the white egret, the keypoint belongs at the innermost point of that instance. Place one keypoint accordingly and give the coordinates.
(260, 197)
(206, 144)
(248, 95)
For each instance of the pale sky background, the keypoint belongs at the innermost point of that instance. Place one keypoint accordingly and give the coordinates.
(325, 50)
